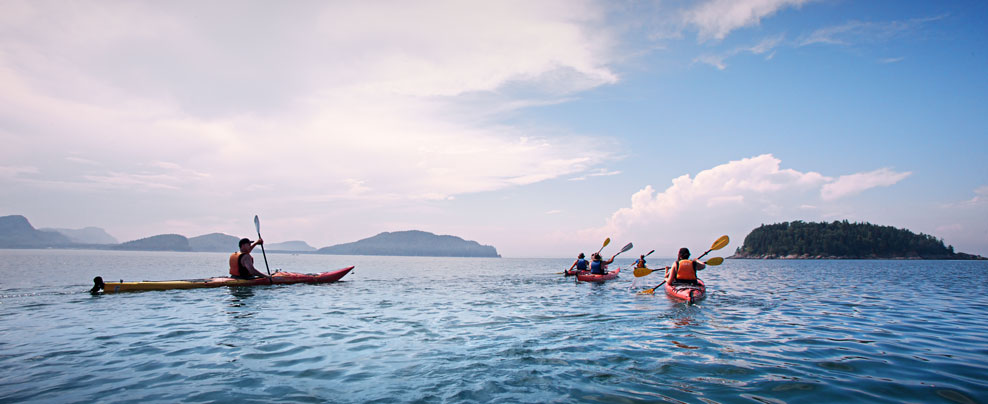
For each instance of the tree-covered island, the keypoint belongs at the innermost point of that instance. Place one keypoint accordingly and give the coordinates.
(842, 239)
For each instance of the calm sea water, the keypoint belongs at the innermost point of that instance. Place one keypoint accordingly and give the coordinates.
(402, 329)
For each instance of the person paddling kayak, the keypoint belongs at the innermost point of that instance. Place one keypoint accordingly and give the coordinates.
(581, 263)
(640, 262)
(242, 264)
(597, 264)
(683, 272)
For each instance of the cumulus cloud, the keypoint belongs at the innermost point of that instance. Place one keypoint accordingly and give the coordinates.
(716, 19)
(855, 183)
(733, 197)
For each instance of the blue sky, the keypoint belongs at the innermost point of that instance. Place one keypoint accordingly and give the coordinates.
(537, 127)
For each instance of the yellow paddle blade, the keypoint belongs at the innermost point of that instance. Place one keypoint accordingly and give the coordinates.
(606, 242)
(715, 261)
(640, 272)
(721, 242)
(647, 292)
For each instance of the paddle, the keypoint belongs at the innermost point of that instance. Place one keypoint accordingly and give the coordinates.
(640, 272)
(257, 224)
(623, 249)
(718, 244)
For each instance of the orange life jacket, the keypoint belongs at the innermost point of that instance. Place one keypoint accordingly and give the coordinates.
(236, 268)
(685, 271)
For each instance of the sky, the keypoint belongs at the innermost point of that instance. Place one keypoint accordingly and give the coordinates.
(538, 127)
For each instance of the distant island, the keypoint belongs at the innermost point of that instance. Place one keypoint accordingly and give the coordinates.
(17, 232)
(843, 240)
(413, 243)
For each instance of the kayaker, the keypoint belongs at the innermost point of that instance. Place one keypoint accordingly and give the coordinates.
(581, 264)
(242, 264)
(684, 270)
(597, 264)
(640, 263)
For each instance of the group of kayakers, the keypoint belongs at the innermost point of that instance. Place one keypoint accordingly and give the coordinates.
(681, 272)
(596, 265)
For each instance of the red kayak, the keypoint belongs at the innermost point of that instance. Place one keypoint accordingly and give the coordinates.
(277, 278)
(689, 293)
(586, 276)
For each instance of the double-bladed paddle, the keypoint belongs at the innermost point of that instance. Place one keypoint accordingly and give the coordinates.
(720, 243)
(640, 272)
(257, 224)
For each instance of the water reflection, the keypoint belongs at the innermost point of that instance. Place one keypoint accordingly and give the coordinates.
(240, 295)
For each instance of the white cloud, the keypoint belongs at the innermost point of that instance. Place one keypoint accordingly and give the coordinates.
(293, 107)
(715, 19)
(855, 32)
(846, 185)
(733, 198)
(600, 172)
(766, 45)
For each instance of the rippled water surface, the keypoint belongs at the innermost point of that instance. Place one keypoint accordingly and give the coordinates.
(403, 329)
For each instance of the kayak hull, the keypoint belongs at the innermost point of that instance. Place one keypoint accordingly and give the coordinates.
(279, 278)
(689, 293)
(588, 277)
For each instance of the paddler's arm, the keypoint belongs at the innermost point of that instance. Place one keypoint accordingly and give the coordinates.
(572, 266)
(256, 243)
(249, 264)
(699, 265)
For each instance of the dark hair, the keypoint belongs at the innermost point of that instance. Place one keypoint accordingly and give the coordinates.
(581, 255)
(244, 241)
(684, 253)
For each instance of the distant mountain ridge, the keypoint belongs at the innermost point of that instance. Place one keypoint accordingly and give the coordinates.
(86, 235)
(17, 232)
(161, 242)
(412, 243)
(214, 242)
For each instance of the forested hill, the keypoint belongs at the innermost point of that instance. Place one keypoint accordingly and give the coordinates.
(803, 240)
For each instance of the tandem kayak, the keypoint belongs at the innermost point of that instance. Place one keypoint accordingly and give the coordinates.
(588, 277)
(689, 293)
(278, 278)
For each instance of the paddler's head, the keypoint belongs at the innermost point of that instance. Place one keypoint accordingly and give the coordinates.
(245, 245)
(581, 256)
(684, 253)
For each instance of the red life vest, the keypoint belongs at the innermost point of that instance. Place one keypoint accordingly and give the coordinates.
(685, 271)
(236, 267)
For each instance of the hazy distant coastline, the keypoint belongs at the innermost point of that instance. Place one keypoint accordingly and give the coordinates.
(17, 232)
